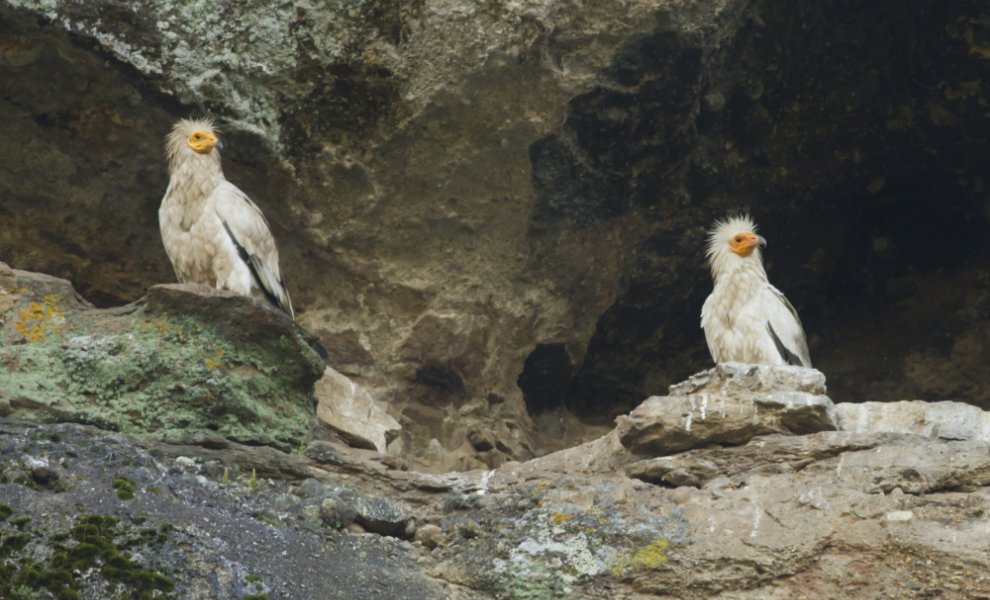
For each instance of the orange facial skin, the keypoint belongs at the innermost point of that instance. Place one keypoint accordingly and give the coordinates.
(743, 244)
(202, 141)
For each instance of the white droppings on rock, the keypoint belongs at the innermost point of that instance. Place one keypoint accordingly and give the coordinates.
(757, 517)
(899, 515)
(485, 478)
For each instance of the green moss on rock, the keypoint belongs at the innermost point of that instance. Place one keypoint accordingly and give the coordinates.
(94, 542)
(124, 487)
(179, 362)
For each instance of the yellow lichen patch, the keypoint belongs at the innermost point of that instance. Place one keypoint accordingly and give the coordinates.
(650, 556)
(38, 319)
(156, 324)
(559, 517)
(214, 360)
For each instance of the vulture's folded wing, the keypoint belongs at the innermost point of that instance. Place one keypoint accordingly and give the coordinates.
(784, 326)
(249, 231)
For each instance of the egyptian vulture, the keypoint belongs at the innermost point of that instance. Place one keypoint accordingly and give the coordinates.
(213, 234)
(745, 318)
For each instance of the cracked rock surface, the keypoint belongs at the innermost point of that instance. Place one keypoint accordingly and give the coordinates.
(817, 515)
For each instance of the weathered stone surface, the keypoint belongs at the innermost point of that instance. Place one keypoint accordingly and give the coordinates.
(529, 180)
(830, 514)
(381, 516)
(184, 359)
(731, 403)
(766, 454)
(197, 528)
(941, 420)
(430, 536)
(350, 410)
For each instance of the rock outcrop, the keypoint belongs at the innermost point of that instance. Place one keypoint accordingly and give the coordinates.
(729, 404)
(183, 360)
(822, 514)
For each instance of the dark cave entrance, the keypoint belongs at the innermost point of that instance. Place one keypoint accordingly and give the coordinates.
(857, 135)
(546, 377)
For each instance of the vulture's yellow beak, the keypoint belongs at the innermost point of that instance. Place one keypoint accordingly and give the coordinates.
(743, 244)
(203, 141)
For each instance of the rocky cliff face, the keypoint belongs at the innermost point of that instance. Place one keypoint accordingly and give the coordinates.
(490, 211)
(745, 482)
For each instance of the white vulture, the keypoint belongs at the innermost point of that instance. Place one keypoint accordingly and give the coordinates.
(213, 234)
(745, 318)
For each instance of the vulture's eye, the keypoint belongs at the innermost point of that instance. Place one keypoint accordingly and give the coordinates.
(738, 239)
(197, 136)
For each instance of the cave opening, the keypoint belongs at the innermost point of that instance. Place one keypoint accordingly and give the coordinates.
(857, 136)
(547, 374)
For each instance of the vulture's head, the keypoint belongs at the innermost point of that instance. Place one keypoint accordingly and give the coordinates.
(192, 137)
(733, 243)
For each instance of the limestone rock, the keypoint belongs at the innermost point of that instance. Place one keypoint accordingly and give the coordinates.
(936, 420)
(765, 454)
(350, 410)
(604, 454)
(731, 403)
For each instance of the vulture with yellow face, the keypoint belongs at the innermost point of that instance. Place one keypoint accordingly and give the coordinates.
(213, 233)
(745, 318)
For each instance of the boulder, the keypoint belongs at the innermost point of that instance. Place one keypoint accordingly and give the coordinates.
(729, 404)
(350, 411)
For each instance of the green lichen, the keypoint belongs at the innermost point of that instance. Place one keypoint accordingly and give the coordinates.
(124, 487)
(268, 520)
(537, 582)
(166, 374)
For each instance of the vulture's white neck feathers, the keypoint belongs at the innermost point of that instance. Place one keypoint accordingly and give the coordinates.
(725, 262)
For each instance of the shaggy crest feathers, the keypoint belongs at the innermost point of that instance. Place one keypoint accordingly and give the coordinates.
(176, 146)
(719, 255)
